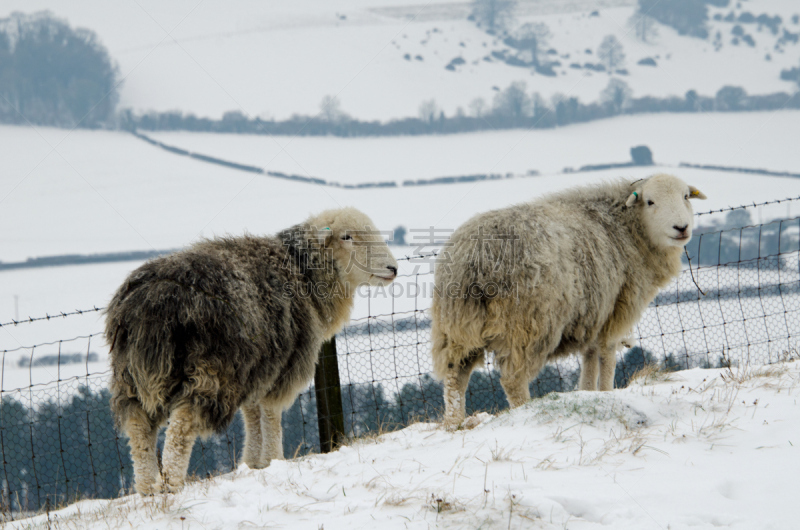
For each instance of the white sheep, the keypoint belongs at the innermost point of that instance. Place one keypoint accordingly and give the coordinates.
(569, 272)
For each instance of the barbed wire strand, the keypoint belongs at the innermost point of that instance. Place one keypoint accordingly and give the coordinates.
(746, 206)
(62, 314)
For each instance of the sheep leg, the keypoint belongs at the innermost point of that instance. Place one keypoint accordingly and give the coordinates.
(253, 440)
(514, 380)
(271, 433)
(181, 435)
(143, 436)
(455, 388)
(608, 364)
(589, 370)
(516, 388)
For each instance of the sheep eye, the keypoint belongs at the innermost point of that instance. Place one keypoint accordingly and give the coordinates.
(347, 237)
(650, 203)
(686, 197)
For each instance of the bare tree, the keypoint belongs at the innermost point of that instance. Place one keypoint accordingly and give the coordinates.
(538, 104)
(493, 15)
(514, 101)
(478, 107)
(330, 109)
(429, 111)
(617, 94)
(644, 26)
(611, 54)
(532, 38)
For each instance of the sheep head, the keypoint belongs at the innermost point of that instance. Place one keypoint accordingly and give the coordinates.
(356, 246)
(667, 215)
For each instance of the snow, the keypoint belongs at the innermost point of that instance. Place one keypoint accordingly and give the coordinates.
(758, 139)
(67, 192)
(281, 58)
(692, 449)
(701, 449)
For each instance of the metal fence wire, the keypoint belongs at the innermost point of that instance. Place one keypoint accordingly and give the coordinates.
(737, 301)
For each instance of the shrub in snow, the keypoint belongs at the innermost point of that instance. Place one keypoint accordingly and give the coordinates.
(641, 155)
(730, 98)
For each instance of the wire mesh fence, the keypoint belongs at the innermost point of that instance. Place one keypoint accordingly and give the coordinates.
(737, 301)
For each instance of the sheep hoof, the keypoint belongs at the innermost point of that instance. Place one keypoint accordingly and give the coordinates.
(452, 425)
(261, 464)
(147, 490)
(166, 486)
(170, 488)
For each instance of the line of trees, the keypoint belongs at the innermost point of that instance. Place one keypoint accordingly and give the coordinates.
(512, 107)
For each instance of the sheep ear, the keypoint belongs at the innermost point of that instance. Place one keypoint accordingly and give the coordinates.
(694, 193)
(632, 198)
(324, 236)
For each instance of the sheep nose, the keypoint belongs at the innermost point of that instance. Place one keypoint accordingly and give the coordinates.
(392, 268)
(681, 229)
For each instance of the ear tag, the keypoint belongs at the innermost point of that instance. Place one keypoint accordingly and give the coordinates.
(636, 194)
(695, 193)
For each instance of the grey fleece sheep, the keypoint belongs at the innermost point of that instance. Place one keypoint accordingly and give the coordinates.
(230, 323)
(570, 272)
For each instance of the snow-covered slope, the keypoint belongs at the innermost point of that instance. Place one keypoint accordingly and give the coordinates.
(698, 449)
(282, 57)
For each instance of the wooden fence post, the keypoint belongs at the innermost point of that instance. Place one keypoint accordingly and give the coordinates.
(330, 413)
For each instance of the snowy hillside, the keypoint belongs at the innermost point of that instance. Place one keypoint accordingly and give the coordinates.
(694, 449)
(280, 58)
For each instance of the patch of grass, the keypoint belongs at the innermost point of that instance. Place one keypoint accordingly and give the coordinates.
(501, 454)
(649, 374)
(441, 504)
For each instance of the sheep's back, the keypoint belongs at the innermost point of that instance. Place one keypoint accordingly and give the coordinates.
(558, 271)
(207, 326)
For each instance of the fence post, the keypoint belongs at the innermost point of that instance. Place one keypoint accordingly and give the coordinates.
(330, 413)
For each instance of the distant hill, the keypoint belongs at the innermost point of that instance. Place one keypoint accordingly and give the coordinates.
(276, 59)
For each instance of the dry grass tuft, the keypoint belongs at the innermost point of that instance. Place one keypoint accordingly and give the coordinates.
(440, 504)
(650, 373)
(501, 454)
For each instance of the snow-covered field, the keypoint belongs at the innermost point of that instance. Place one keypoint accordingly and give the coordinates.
(275, 59)
(764, 140)
(696, 449)
(101, 191)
